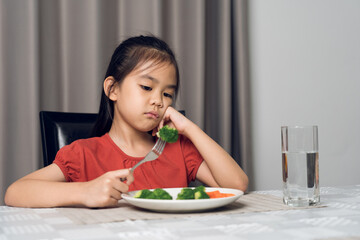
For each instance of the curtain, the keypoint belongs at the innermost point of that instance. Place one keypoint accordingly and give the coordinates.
(54, 54)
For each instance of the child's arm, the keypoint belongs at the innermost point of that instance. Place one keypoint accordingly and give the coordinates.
(218, 163)
(218, 168)
(47, 188)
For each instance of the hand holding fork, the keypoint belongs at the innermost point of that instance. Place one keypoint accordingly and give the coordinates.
(152, 155)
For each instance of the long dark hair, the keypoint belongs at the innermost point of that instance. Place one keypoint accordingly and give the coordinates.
(126, 57)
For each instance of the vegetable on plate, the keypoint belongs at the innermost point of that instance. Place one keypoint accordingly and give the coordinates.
(185, 194)
(218, 194)
(158, 193)
(189, 193)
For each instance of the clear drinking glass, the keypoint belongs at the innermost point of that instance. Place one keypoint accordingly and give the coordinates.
(300, 165)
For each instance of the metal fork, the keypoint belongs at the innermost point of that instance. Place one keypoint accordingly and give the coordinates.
(153, 154)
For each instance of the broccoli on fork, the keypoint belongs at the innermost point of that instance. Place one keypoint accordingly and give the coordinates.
(168, 134)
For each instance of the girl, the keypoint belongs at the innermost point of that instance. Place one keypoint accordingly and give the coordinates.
(140, 86)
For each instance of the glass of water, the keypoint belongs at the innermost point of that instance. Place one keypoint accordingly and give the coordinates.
(300, 165)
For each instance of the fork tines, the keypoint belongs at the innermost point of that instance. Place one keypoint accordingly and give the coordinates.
(159, 147)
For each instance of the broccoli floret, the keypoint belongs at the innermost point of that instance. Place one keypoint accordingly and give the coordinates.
(189, 193)
(186, 193)
(162, 194)
(145, 194)
(200, 188)
(168, 134)
(201, 195)
(156, 194)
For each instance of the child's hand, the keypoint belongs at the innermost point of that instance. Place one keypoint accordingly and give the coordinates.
(173, 119)
(106, 190)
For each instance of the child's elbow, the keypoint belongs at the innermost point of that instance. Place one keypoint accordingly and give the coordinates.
(8, 199)
(245, 184)
(242, 183)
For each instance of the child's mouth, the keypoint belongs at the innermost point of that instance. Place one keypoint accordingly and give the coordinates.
(153, 115)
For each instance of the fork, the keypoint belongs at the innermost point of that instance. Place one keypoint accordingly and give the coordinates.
(153, 154)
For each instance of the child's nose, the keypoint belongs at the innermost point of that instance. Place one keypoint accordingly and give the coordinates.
(157, 100)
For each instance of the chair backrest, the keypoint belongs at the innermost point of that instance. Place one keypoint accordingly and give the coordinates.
(62, 128)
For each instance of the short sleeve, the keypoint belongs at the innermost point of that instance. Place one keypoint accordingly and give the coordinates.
(192, 157)
(69, 159)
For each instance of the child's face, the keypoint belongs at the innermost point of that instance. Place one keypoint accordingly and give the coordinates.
(144, 95)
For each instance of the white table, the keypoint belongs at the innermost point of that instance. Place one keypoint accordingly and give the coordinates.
(340, 219)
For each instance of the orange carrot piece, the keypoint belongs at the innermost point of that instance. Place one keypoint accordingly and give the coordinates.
(218, 194)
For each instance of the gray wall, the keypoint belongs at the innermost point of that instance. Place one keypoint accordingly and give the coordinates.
(305, 70)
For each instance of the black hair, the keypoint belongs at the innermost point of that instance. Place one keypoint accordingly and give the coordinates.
(127, 56)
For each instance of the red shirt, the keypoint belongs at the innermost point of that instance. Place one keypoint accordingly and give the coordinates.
(87, 159)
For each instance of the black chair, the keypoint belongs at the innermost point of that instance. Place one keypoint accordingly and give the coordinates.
(62, 128)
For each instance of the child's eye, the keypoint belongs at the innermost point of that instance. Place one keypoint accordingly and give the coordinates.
(168, 95)
(146, 88)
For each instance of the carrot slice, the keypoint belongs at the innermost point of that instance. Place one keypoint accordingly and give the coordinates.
(218, 194)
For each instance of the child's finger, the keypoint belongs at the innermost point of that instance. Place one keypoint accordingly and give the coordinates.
(113, 202)
(155, 130)
(170, 124)
(161, 124)
(121, 173)
(125, 176)
(129, 178)
(116, 193)
(153, 133)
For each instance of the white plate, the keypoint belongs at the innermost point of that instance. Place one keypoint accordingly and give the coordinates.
(182, 205)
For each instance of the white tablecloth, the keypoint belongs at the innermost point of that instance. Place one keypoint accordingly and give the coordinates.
(340, 219)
